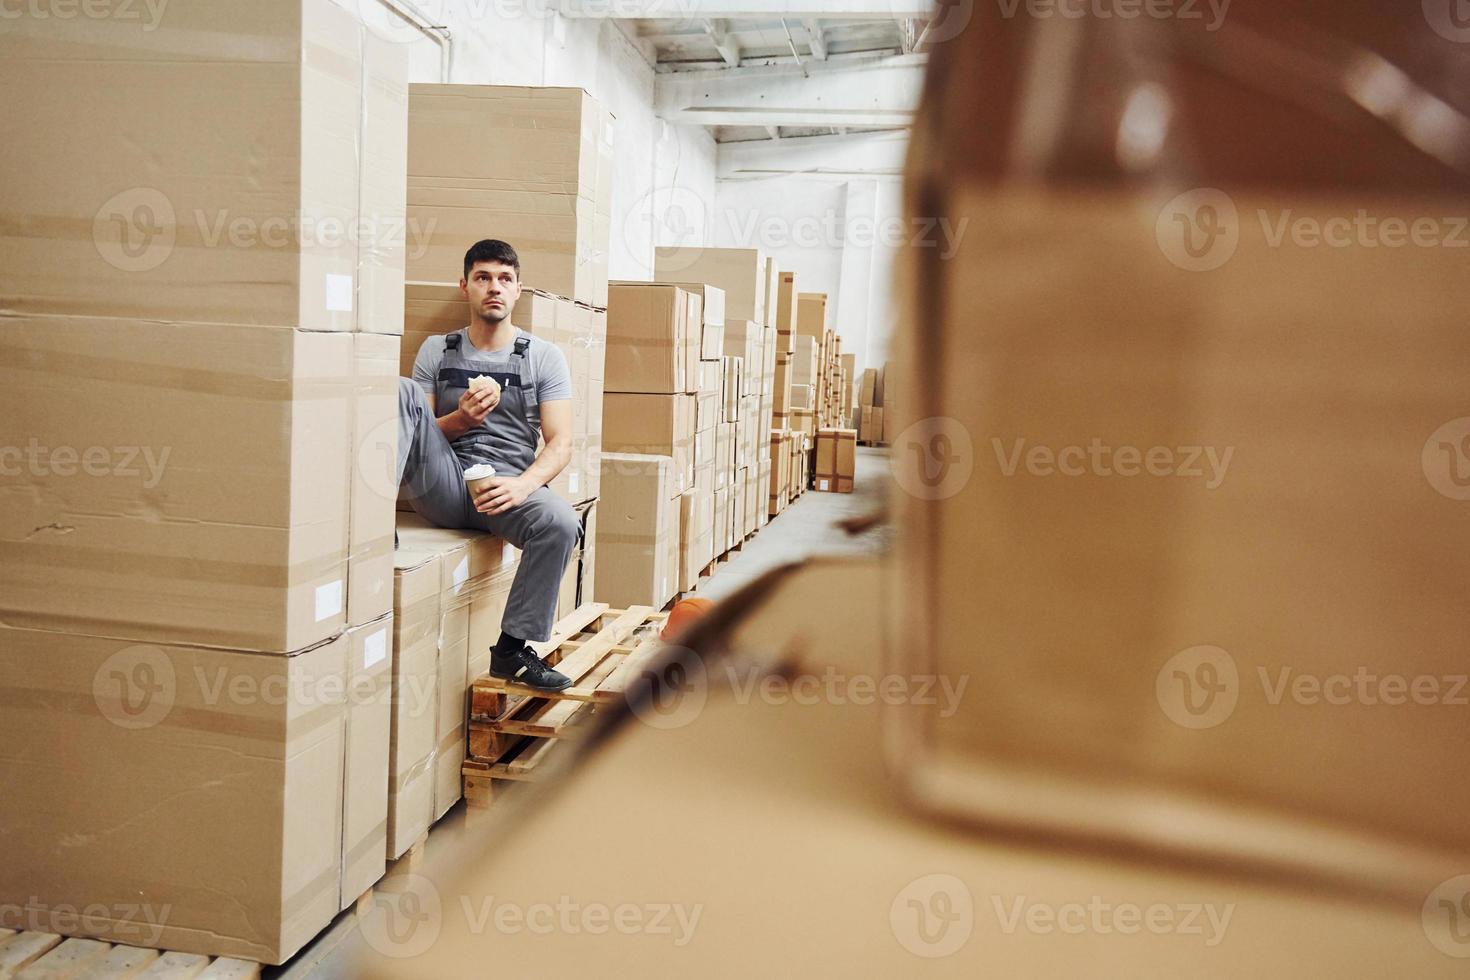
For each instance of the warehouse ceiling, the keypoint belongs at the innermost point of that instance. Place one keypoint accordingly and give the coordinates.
(762, 70)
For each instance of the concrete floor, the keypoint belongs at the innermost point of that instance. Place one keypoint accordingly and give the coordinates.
(805, 529)
(808, 527)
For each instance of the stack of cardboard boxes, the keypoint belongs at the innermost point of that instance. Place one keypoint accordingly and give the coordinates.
(200, 352)
(450, 590)
(536, 172)
(651, 413)
(875, 394)
(746, 279)
(691, 364)
(530, 166)
(835, 462)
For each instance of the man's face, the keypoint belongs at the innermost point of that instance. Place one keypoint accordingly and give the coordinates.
(492, 290)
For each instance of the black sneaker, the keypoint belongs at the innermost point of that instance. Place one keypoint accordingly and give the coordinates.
(524, 667)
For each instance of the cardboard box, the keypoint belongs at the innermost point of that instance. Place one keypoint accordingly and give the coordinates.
(805, 362)
(368, 747)
(709, 406)
(477, 571)
(879, 423)
(531, 166)
(632, 531)
(804, 420)
(754, 499)
(745, 339)
(280, 212)
(221, 768)
(652, 425)
(740, 273)
(722, 520)
(763, 491)
(730, 389)
(880, 385)
(737, 510)
(1190, 595)
(711, 315)
(414, 676)
(781, 388)
(696, 535)
(865, 425)
(233, 534)
(646, 330)
(772, 292)
(693, 339)
(712, 376)
(779, 488)
(786, 314)
(811, 315)
(374, 401)
(715, 778)
(836, 460)
(724, 454)
(705, 444)
(576, 582)
(869, 386)
(804, 397)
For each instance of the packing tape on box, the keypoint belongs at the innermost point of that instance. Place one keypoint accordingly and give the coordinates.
(371, 844)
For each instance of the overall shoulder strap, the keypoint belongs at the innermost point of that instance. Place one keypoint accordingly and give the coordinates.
(451, 341)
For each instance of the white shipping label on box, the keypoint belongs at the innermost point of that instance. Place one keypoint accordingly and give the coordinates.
(375, 649)
(461, 574)
(339, 293)
(328, 600)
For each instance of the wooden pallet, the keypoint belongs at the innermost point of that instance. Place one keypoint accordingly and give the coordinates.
(513, 729)
(47, 956)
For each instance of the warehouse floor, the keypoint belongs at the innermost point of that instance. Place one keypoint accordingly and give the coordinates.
(805, 529)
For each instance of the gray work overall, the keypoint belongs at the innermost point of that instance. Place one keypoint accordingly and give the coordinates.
(544, 527)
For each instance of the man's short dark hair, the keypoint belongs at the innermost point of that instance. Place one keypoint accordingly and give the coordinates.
(491, 250)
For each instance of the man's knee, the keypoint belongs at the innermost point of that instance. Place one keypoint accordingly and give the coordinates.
(409, 394)
(561, 522)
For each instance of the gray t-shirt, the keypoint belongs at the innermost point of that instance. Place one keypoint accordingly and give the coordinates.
(510, 434)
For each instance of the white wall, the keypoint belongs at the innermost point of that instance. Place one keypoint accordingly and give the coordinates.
(517, 42)
(830, 233)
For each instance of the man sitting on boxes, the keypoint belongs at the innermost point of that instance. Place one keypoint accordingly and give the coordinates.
(469, 421)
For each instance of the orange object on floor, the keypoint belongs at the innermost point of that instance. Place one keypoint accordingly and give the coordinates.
(684, 613)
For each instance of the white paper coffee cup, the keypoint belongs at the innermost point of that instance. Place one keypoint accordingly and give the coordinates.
(477, 476)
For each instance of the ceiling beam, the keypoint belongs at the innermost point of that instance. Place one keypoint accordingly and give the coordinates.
(877, 155)
(862, 92)
(726, 45)
(815, 38)
(733, 9)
